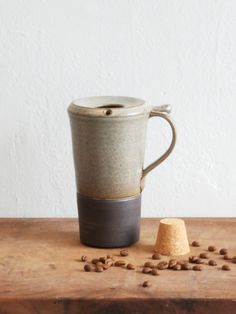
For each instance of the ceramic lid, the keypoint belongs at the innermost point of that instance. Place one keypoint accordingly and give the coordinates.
(108, 106)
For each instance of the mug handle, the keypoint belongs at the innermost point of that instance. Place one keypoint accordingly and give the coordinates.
(162, 112)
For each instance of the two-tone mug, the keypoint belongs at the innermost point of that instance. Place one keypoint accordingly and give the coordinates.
(108, 136)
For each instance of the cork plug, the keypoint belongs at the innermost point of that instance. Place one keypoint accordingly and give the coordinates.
(172, 237)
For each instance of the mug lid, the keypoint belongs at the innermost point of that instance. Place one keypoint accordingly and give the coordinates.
(108, 106)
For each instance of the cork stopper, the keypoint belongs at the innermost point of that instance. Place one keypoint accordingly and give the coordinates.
(172, 237)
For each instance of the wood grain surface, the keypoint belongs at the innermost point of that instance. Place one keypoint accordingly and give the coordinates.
(41, 271)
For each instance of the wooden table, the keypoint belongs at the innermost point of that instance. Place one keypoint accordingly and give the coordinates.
(40, 272)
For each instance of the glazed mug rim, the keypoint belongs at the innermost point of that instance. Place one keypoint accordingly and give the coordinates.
(108, 106)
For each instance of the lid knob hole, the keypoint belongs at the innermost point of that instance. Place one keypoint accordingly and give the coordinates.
(108, 112)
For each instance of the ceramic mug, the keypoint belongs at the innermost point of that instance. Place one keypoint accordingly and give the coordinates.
(108, 137)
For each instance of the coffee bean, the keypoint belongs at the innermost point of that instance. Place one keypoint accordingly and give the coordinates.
(234, 259)
(156, 256)
(197, 267)
(195, 243)
(99, 264)
(124, 253)
(177, 267)
(146, 284)
(172, 263)
(84, 258)
(146, 270)
(204, 255)
(154, 272)
(226, 267)
(227, 257)
(193, 259)
(98, 268)
(211, 248)
(149, 264)
(223, 251)
(162, 265)
(130, 266)
(109, 262)
(95, 260)
(185, 266)
(102, 259)
(87, 267)
(109, 256)
(212, 262)
(105, 266)
(199, 261)
(120, 263)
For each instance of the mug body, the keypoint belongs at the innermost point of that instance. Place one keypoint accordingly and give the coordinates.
(108, 154)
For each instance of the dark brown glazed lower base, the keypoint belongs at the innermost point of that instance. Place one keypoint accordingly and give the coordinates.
(109, 223)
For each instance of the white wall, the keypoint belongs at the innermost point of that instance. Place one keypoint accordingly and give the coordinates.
(181, 52)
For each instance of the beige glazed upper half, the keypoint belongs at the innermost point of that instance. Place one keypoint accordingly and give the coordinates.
(108, 137)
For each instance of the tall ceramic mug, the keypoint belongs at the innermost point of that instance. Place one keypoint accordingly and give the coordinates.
(108, 137)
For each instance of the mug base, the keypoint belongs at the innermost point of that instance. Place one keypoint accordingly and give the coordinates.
(109, 223)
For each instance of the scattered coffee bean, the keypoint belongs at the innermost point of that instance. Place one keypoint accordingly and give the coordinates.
(105, 266)
(197, 267)
(172, 263)
(95, 260)
(87, 267)
(120, 263)
(193, 259)
(227, 257)
(98, 268)
(234, 259)
(146, 270)
(102, 259)
(223, 251)
(199, 261)
(84, 258)
(177, 267)
(212, 262)
(130, 266)
(109, 256)
(124, 253)
(226, 267)
(211, 248)
(186, 266)
(204, 255)
(162, 265)
(99, 264)
(149, 264)
(109, 262)
(156, 256)
(146, 284)
(195, 243)
(155, 272)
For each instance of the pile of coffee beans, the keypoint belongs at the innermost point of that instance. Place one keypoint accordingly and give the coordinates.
(103, 263)
(211, 262)
(98, 264)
